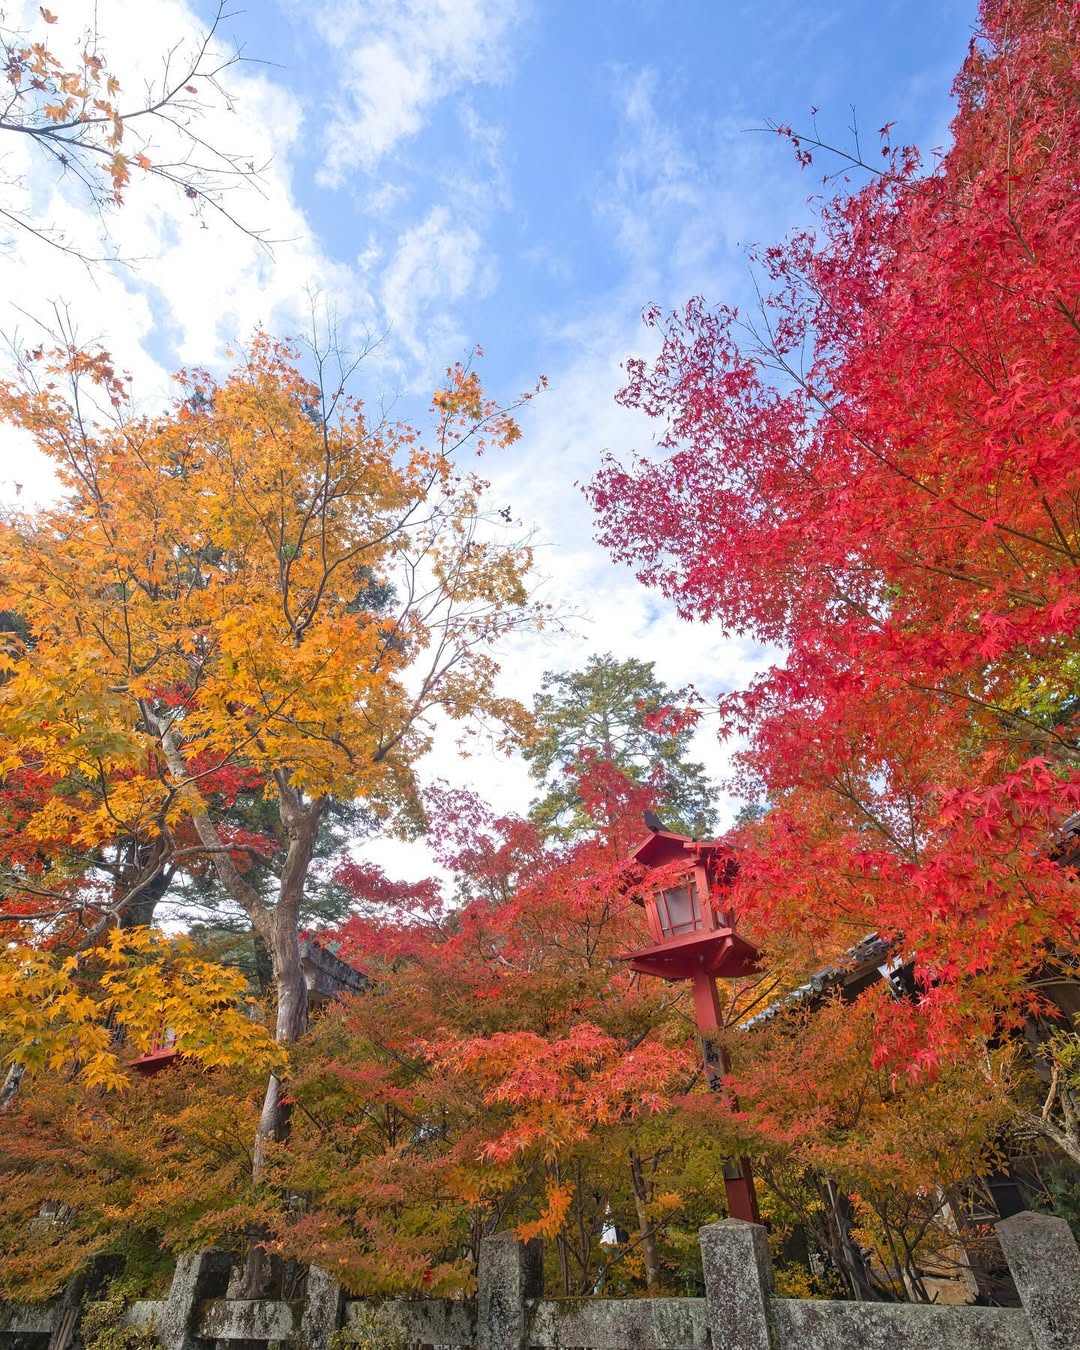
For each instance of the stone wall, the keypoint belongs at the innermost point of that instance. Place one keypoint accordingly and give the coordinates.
(740, 1310)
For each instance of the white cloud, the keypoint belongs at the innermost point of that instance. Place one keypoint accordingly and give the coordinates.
(395, 60)
(194, 284)
(436, 264)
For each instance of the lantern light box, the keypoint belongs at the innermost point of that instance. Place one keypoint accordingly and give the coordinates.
(691, 935)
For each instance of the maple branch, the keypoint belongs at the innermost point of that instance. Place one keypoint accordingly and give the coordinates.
(72, 131)
(241, 891)
(799, 138)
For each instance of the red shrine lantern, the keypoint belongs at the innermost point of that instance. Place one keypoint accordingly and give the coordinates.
(161, 1054)
(694, 939)
(692, 935)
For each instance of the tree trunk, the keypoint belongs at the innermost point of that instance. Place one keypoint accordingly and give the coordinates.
(138, 912)
(292, 1018)
(847, 1257)
(10, 1090)
(302, 825)
(278, 927)
(1066, 1139)
(646, 1228)
(584, 1240)
(564, 1264)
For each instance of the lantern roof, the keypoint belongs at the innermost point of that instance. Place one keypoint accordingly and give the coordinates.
(663, 847)
(720, 952)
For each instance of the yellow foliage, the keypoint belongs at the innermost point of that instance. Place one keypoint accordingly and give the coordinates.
(260, 577)
(557, 1200)
(85, 1014)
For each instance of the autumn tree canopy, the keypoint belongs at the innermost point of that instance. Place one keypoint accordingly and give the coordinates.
(506, 1073)
(206, 608)
(241, 618)
(879, 472)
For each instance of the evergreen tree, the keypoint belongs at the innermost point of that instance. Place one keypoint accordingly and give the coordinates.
(605, 713)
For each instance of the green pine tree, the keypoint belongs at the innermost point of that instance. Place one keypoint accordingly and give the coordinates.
(603, 711)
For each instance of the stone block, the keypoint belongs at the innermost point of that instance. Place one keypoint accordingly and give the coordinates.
(619, 1323)
(738, 1284)
(219, 1321)
(504, 1276)
(817, 1324)
(322, 1309)
(1045, 1265)
(198, 1275)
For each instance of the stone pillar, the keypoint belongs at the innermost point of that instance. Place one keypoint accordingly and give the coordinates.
(738, 1284)
(508, 1273)
(322, 1309)
(198, 1275)
(1045, 1265)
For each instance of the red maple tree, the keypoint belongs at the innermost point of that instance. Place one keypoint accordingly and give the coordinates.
(879, 474)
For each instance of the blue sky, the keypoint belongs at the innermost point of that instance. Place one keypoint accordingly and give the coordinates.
(593, 154)
(522, 174)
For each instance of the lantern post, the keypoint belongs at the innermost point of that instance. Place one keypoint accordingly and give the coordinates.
(694, 939)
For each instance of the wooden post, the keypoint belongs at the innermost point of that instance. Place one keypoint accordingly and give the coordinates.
(738, 1178)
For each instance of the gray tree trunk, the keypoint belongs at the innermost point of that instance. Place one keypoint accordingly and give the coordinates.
(646, 1227)
(282, 935)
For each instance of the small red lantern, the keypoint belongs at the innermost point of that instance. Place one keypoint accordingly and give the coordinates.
(694, 939)
(692, 935)
(161, 1054)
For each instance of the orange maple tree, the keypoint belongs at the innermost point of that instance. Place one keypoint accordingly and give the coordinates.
(142, 1174)
(256, 580)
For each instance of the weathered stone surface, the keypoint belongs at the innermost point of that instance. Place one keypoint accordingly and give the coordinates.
(245, 1319)
(1045, 1265)
(26, 1319)
(619, 1324)
(327, 974)
(738, 1284)
(144, 1313)
(322, 1309)
(500, 1294)
(198, 1275)
(813, 1324)
(425, 1321)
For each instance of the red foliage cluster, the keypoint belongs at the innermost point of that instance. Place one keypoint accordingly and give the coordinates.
(881, 476)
